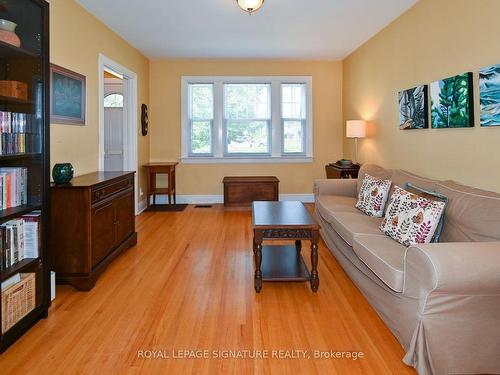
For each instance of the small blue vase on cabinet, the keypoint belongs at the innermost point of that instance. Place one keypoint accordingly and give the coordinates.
(62, 173)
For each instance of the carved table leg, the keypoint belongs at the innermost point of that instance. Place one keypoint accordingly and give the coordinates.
(257, 250)
(298, 246)
(314, 263)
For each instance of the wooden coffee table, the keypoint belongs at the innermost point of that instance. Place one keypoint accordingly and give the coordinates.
(278, 221)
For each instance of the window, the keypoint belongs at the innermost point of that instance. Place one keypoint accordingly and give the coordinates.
(246, 119)
(201, 117)
(293, 117)
(113, 101)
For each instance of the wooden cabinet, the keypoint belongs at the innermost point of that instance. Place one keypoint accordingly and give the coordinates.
(92, 222)
(335, 170)
(243, 190)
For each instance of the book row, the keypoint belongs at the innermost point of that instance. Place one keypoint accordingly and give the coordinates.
(20, 239)
(19, 143)
(13, 187)
(13, 122)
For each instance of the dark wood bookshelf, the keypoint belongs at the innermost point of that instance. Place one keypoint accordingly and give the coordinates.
(29, 64)
(13, 212)
(18, 267)
(13, 52)
(15, 100)
(26, 155)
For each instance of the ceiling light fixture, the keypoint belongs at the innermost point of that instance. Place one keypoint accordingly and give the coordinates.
(250, 6)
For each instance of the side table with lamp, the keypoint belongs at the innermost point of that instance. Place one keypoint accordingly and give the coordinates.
(347, 168)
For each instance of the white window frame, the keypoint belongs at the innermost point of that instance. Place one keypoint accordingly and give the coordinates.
(219, 155)
(191, 120)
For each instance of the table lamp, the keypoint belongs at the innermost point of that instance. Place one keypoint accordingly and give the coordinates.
(356, 129)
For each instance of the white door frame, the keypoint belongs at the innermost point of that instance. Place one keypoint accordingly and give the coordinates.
(129, 113)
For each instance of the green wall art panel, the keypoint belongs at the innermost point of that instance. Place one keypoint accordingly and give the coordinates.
(489, 87)
(452, 104)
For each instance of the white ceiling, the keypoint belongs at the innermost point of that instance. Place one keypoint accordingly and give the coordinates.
(281, 29)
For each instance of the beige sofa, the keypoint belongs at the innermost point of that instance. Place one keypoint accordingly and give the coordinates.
(440, 300)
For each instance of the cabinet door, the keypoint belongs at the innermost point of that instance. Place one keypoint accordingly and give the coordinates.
(103, 231)
(124, 210)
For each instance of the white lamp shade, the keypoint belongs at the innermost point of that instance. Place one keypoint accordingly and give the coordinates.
(356, 129)
(250, 5)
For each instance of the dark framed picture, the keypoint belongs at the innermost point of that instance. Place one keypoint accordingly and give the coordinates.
(67, 96)
(452, 104)
(413, 108)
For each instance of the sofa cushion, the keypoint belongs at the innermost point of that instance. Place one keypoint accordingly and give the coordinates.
(373, 196)
(328, 204)
(373, 170)
(401, 178)
(472, 215)
(384, 256)
(349, 224)
(411, 219)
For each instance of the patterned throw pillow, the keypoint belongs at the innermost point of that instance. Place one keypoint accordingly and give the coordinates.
(373, 196)
(411, 219)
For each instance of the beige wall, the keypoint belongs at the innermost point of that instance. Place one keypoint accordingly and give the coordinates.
(76, 39)
(206, 179)
(433, 40)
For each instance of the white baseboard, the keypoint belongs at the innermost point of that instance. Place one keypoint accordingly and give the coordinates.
(214, 199)
(141, 207)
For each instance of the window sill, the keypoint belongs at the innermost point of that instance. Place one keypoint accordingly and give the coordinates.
(247, 160)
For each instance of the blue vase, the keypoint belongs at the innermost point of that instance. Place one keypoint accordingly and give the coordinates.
(62, 173)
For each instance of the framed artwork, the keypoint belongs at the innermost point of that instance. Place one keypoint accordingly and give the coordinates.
(67, 96)
(452, 104)
(413, 108)
(489, 87)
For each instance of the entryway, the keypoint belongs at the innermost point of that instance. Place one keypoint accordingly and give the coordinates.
(114, 122)
(117, 119)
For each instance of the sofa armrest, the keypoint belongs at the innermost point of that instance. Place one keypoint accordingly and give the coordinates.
(470, 268)
(345, 187)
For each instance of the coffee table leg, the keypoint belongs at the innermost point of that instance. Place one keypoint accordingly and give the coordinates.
(298, 246)
(314, 264)
(257, 250)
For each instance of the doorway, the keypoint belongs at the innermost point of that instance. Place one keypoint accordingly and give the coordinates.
(117, 119)
(114, 122)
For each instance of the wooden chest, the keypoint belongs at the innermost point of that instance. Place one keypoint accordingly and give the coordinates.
(243, 190)
(92, 221)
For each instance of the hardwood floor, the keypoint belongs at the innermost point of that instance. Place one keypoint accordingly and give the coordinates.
(188, 285)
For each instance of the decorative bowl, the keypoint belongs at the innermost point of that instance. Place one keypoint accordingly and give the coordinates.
(62, 173)
(7, 25)
(345, 162)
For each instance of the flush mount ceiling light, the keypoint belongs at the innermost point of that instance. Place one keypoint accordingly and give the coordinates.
(250, 6)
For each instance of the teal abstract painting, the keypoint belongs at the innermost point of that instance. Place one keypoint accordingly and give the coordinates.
(452, 104)
(489, 85)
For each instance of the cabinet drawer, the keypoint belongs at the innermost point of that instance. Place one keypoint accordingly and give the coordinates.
(98, 194)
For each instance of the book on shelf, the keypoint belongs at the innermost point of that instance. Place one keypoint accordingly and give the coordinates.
(18, 134)
(13, 187)
(20, 239)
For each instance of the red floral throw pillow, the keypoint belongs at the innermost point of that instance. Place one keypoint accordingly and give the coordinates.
(373, 196)
(411, 219)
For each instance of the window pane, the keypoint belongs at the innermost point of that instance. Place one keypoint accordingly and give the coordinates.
(202, 101)
(247, 101)
(293, 99)
(113, 101)
(201, 137)
(293, 137)
(247, 137)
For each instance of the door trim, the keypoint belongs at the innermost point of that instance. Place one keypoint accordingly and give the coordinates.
(130, 114)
